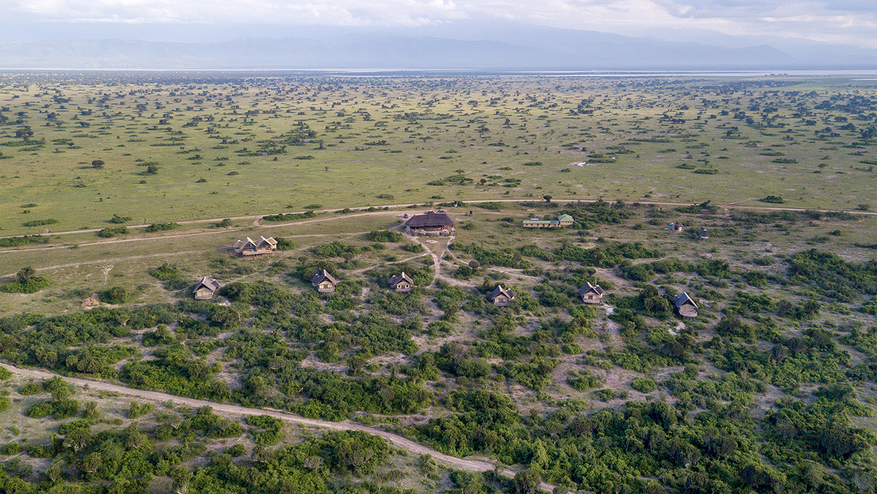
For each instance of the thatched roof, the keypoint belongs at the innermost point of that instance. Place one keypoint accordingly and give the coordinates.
(208, 283)
(322, 276)
(499, 290)
(591, 288)
(394, 280)
(263, 243)
(683, 299)
(430, 219)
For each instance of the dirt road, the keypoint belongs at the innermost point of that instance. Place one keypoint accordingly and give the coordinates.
(363, 210)
(236, 410)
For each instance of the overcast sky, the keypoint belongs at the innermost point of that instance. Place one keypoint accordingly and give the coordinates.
(851, 22)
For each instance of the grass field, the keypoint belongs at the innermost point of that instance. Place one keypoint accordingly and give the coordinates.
(771, 387)
(232, 145)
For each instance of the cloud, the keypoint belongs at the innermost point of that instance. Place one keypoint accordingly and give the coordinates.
(850, 21)
(340, 12)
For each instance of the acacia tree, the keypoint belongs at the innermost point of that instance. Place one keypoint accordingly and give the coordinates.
(25, 274)
(97, 164)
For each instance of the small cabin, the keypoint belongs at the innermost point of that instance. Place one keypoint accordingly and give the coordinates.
(677, 227)
(685, 305)
(323, 282)
(591, 294)
(402, 283)
(250, 247)
(501, 296)
(703, 235)
(206, 288)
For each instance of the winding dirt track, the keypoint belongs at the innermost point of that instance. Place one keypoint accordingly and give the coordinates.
(236, 410)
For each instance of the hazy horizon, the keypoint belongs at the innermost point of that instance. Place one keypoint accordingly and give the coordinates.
(849, 22)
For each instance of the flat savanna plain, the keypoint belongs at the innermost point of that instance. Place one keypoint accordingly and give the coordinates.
(193, 146)
(770, 388)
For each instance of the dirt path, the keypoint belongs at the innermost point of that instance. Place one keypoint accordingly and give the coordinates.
(237, 410)
(436, 262)
(362, 211)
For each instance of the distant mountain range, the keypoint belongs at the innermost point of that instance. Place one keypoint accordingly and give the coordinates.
(492, 48)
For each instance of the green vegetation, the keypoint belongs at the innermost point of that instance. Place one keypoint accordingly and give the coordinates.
(26, 281)
(112, 232)
(161, 227)
(41, 222)
(384, 236)
(769, 388)
(289, 216)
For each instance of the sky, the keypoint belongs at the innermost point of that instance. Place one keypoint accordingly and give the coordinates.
(849, 22)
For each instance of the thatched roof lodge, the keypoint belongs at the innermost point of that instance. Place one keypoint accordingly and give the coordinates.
(402, 283)
(501, 296)
(685, 305)
(206, 288)
(591, 294)
(323, 281)
(430, 223)
(703, 235)
(250, 247)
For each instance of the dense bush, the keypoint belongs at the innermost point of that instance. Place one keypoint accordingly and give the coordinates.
(41, 222)
(31, 285)
(25, 240)
(384, 236)
(112, 232)
(289, 216)
(161, 227)
(115, 295)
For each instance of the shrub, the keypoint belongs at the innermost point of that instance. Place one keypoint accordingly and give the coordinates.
(415, 248)
(160, 227)
(605, 394)
(773, 200)
(572, 349)
(285, 244)
(11, 449)
(41, 222)
(266, 430)
(112, 232)
(288, 216)
(118, 220)
(383, 236)
(166, 272)
(18, 241)
(115, 295)
(39, 410)
(583, 381)
(237, 450)
(643, 385)
(139, 409)
(30, 389)
(32, 285)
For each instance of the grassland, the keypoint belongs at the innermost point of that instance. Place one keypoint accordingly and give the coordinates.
(232, 145)
(772, 387)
